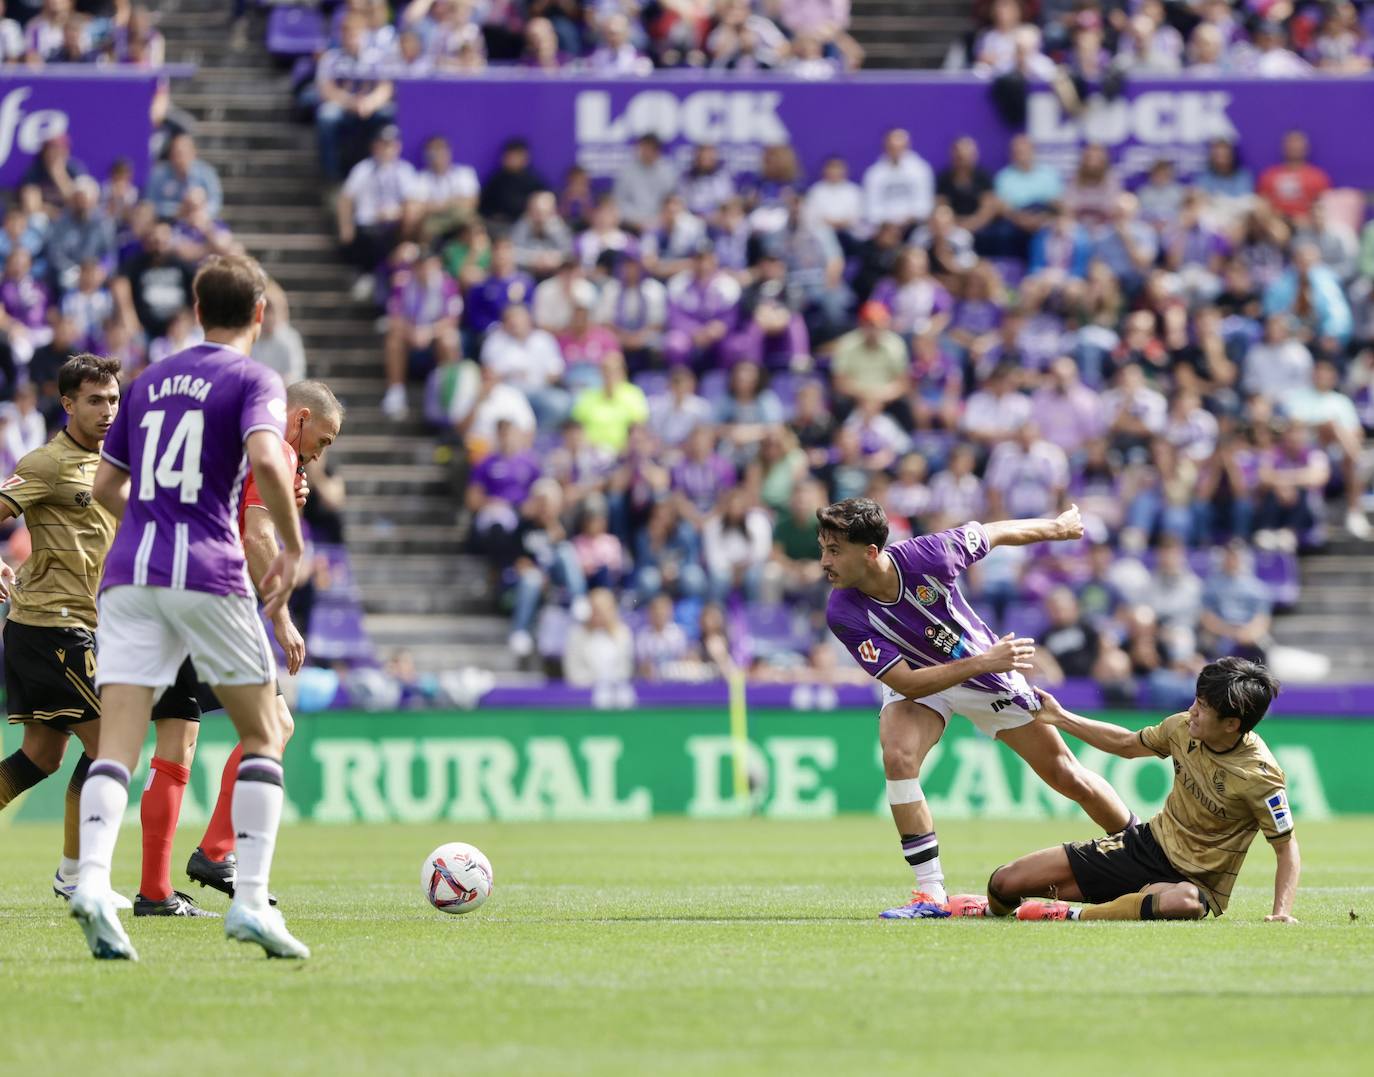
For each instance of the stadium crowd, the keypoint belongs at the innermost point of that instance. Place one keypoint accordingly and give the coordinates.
(656, 385)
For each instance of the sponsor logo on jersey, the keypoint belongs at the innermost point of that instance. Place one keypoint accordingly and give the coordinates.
(971, 539)
(1280, 812)
(12, 482)
(868, 651)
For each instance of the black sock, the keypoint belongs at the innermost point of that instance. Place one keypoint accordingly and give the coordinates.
(17, 773)
(1147, 907)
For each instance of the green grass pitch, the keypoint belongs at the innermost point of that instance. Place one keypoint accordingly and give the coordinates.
(687, 947)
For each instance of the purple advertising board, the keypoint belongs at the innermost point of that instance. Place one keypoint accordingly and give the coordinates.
(571, 119)
(106, 116)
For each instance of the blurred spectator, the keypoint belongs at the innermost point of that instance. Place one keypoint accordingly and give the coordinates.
(1071, 643)
(543, 557)
(83, 232)
(1292, 476)
(182, 170)
(88, 307)
(1026, 477)
(635, 308)
(54, 171)
(617, 55)
(542, 241)
(353, 98)
(676, 413)
(899, 187)
(600, 653)
(506, 192)
(444, 195)
(279, 346)
(1277, 364)
(505, 285)
(736, 544)
(661, 643)
(1332, 415)
(608, 411)
(870, 364)
(422, 328)
(24, 304)
(1068, 411)
(1292, 186)
(703, 307)
(644, 182)
(528, 359)
(559, 296)
(371, 207)
(1236, 607)
(1312, 293)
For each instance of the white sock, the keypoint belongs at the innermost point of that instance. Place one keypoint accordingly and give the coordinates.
(70, 868)
(256, 812)
(930, 877)
(104, 797)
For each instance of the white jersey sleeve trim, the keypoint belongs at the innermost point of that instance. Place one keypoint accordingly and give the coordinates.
(114, 460)
(261, 426)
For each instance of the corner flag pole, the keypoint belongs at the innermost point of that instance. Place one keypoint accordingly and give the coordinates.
(739, 740)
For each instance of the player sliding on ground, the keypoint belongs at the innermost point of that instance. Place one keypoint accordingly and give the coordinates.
(1182, 864)
(176, 585)
(313, 419)
(900, 612)
(50, 631)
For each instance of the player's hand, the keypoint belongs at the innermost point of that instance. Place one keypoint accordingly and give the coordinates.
(1051, 710)
(1070, 524)
(1280, 918)
(1010, 653)
(301, 487)
(291, 641)
(6, 581)
(279, 582)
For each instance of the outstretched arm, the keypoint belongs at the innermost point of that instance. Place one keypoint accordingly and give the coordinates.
(1066, 527)
(1006, 655)
(1104, 736)
(1286, 874)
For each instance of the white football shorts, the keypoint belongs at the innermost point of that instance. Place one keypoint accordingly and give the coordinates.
(145, 633)
(991, 712)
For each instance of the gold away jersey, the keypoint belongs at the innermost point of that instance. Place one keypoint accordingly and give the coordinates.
(51, 489)
(1218, 801)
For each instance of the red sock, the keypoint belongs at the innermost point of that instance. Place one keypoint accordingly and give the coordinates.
(159, 810)
(219, 835)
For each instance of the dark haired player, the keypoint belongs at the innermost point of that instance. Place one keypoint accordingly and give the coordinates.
(176, 586)
(1182, 864)
(50, 631)
(900, 612)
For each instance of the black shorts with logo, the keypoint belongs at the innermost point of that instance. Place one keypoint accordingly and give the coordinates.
(50, 675)
(1123, 863)
(188, 698)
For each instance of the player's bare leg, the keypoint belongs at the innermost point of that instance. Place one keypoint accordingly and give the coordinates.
(125, 711)
(1047, 874)
(257, 804)
(1043, 874)
(1044, 750)
(168, 772)
(907, 730)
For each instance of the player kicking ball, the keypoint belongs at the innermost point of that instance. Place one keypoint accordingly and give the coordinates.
(176, 586)
(899, 611)
(313, 419)
(1182, 864)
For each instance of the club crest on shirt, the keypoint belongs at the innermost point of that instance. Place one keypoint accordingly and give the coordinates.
(83, 498)
(1219, 783)
(868, 651)
(926, 596)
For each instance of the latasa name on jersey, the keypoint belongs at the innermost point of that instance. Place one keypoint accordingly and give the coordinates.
(179, 385)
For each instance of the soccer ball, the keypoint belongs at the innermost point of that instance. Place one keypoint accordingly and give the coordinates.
(456, 878)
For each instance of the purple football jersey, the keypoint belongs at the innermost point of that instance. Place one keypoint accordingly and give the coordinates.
(931, 622)
(180, 434)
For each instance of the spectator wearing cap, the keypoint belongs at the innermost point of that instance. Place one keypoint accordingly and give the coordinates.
(353, 97)
(899, 187)
(703, 308)
(1236, 606)
(82, 232)
(507, 191)
(422, 328)
(543, 242)
(528, 359)
(871, 363)
(444, 196)
(644, 182)
(1294, 184)
(182, 170)
(634, 306)
(372, 206)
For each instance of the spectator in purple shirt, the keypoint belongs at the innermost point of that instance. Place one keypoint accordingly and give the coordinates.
(498, 486)
(702, 475)
(1026, 477)
(919, 303)
(707, 184)
(24, 302)
(1068, 411)
(506, 285)
(422, 327)
(703, 306)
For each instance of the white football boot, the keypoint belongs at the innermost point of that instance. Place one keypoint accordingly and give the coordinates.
(266, 927)
(95, 912)
(65, 885)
